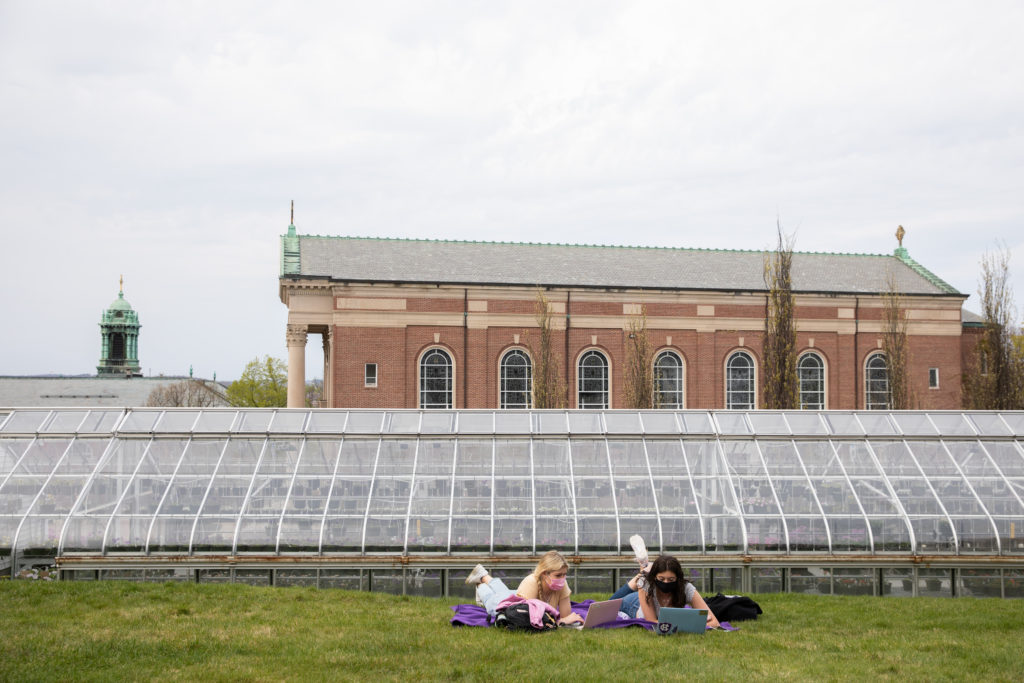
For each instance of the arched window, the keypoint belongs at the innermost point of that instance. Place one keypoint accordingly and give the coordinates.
(592, 373)
(811, 373)
(516, 380)
(739, 382)
(876, 382)
(668, 381)
(436, 380)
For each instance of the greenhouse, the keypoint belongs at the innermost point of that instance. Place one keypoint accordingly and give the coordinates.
(406, 501)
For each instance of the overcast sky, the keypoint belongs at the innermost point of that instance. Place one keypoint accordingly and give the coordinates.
(164, 141)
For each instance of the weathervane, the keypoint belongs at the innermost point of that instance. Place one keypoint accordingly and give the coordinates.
(900, 232)
(122, 283)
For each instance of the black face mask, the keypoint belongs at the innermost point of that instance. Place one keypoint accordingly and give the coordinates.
(665, 586)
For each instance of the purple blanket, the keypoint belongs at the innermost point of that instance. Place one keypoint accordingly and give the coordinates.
(474, 615)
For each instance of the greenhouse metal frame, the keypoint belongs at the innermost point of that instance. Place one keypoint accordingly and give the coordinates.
(884, 502)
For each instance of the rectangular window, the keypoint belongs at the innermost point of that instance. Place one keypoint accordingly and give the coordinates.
(370, 375)
(933, 378)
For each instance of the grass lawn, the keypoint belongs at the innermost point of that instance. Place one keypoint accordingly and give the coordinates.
(117, 631)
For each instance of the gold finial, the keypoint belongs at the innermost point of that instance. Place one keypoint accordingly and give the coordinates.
(122, 283)
(900, 232)
(293, 212)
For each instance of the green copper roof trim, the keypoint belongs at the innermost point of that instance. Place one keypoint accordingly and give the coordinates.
(586, 246)
(290, 257)
(903, 255)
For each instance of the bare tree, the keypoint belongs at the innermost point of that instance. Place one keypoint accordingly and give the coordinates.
(548, 386)
(994, 379)
(780, 388)
(894, 344)
(638, 373)
(189, 393)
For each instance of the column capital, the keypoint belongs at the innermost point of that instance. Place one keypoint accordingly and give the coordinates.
(295, 335)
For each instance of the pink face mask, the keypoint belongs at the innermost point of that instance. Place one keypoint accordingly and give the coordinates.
(556, 584)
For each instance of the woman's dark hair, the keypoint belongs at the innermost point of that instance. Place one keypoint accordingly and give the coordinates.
(666, 563)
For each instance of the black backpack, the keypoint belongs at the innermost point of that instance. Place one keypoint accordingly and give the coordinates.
(517, 618)
(733, 607)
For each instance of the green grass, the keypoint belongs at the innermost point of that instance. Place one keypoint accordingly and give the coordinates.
(116, 631)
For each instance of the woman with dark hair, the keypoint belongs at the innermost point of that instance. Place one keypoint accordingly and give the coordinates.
(664, 585)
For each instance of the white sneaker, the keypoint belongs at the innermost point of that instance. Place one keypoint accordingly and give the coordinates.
(477, 575)
(640, 548)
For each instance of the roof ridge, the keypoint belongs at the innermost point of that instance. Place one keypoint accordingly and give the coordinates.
(903, 255)
(590, 246)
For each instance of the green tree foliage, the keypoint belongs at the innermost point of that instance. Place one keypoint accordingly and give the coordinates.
(263, 384)
(639, 381)
(548, 386)
(780, 390)
(994, 378)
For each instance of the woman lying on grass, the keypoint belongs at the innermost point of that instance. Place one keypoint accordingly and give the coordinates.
(664, 585)
(546, 583)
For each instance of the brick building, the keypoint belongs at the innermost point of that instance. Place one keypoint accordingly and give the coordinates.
(443, 324)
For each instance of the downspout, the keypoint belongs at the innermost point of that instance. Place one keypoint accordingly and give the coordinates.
(465, 345)
(856, 352)
(568, 303)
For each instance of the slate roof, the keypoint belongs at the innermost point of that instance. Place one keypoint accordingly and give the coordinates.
(479, 263)
(119, 392)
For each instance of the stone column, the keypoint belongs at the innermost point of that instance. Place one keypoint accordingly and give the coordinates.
(296, 338)
(327, 399)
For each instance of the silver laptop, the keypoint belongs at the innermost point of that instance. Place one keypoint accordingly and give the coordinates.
(681, 620)
(602, 613)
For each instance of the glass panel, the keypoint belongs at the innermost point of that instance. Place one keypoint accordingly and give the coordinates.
(140, 421)
(25, 421)
(428, 533)
(810, 580)
(550, 457)
(480, 423)
(288, 421)
(511, 496)
(357, 457)
(895, 458)
(177, 421)
(555, 533)
(1013, 583)
(593, 495)
(360, 422)
(11, 451)
(796, 497)
(295, 577)
(342, 534)
(553, 422)
(768, 423)
(850, 581)
(622, 423)
(697, 423)
(512, 423)
(916, 497)
(390, 496)
(957, 497)
(170, 534)
(589, 458)
(585, 423)
(1007, 456)
(806, 423)
(513, 535)
(743, 458)
(675, 496)
(627, 458)
(1015, 420)
(435, 457)
(844, 424)
(849, 534)
(898, 582)
(396, 457)
(807, 534)
(726, 579)
(933, 534)
(835, 496)
(64, 421)
(215, 421)
(935, 583)
(349, 496)
(42, 456)
(327, 421)
(875, 497)
(855, 458)
(913, 424)
(781, 458)
(950, 424)
(255, 421)
(876, 423)
(385, 534)
(255, 534)
(473, 534)
(755, 496)
(766, 579)
(659, 422)
(423, 581)
(933, 459)
(634, 496)
(300, 534)
(980, 583)
(598, 533)
(681, 534)
(436, 422)
(891, 534)
(512, 457)
(100, 421)
(431, 496)
(765, 534)
(975, 535)
(732, 423)
(40, 535)
(972, 459)
(666, 457)
(347, 579)
(989, 424)
(723, 534)
(473, 496)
